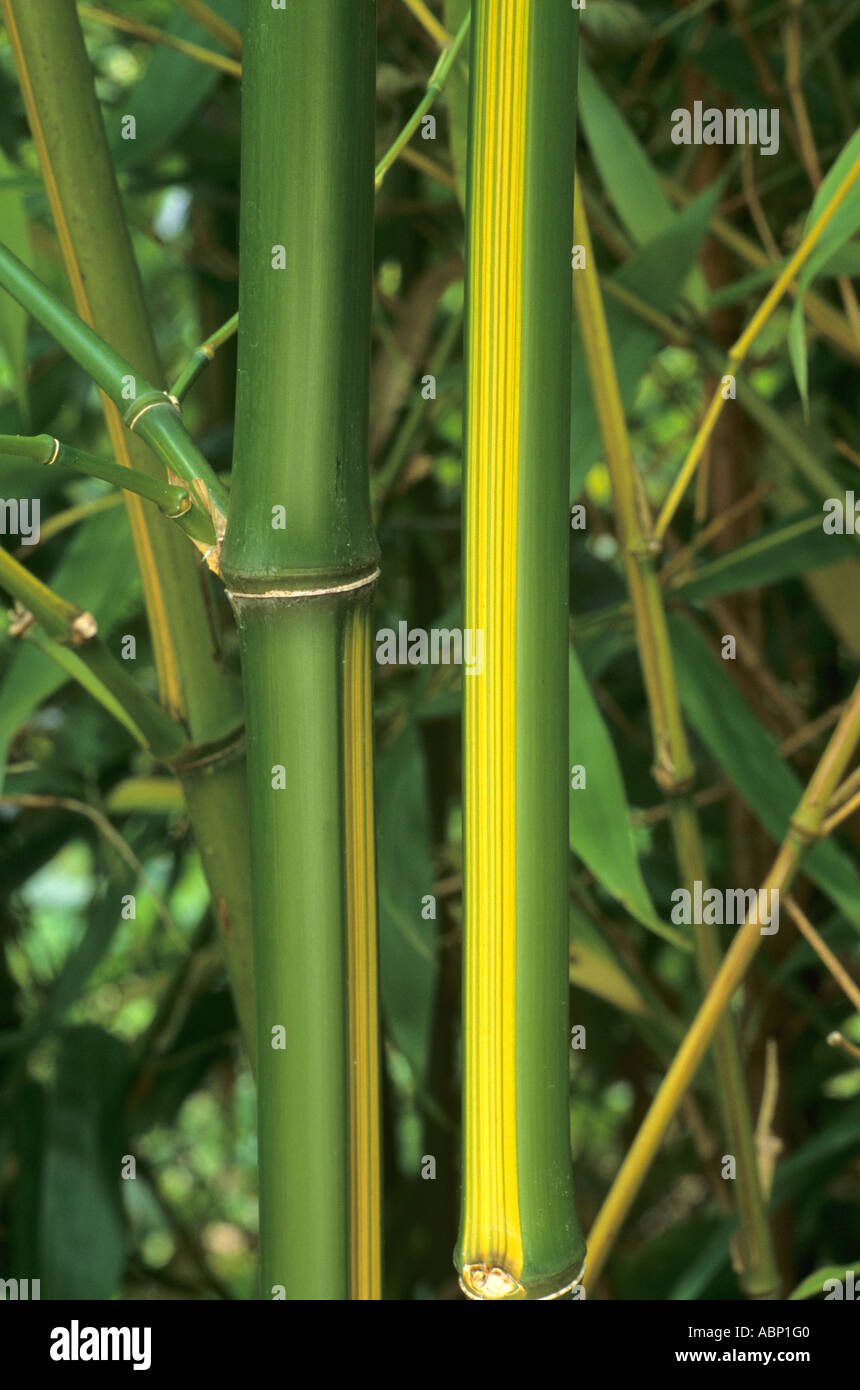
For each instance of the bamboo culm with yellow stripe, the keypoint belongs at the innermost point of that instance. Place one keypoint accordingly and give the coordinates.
(519, 1236)
(299, 561)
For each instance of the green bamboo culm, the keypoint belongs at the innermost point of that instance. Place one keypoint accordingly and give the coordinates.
(299, 561)
(195, 686)
(519, 1235)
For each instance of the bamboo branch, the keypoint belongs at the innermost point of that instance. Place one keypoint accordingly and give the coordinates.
(842, 814)
(202, 357)
(173, 502)
(673, 768)
(804, 830)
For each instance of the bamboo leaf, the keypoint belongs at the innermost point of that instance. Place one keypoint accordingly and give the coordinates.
(600, 830)
(627, 173)
(749, 757)
(13, 319)
(593, 967)
(843, 226)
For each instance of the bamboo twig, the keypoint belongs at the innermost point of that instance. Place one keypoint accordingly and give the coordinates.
(823, 951)
(201, 358)
(435, 86)
(70, 639)
(842, 814)
(847, 789)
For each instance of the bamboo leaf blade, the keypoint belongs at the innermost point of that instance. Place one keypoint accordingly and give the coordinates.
(600, 830)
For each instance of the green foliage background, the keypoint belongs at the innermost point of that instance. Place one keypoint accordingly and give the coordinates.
(117, 1036)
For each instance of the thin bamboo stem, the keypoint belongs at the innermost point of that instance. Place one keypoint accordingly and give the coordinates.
(201, 358)
(837, 817)
(824, 953)
(673, 768)
(435, 86)
(820, 313)
(804, 830)
(519, 1237)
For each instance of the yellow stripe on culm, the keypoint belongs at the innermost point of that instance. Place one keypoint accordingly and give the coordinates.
(491, 1238)
(365, 1177)
(164, 653)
